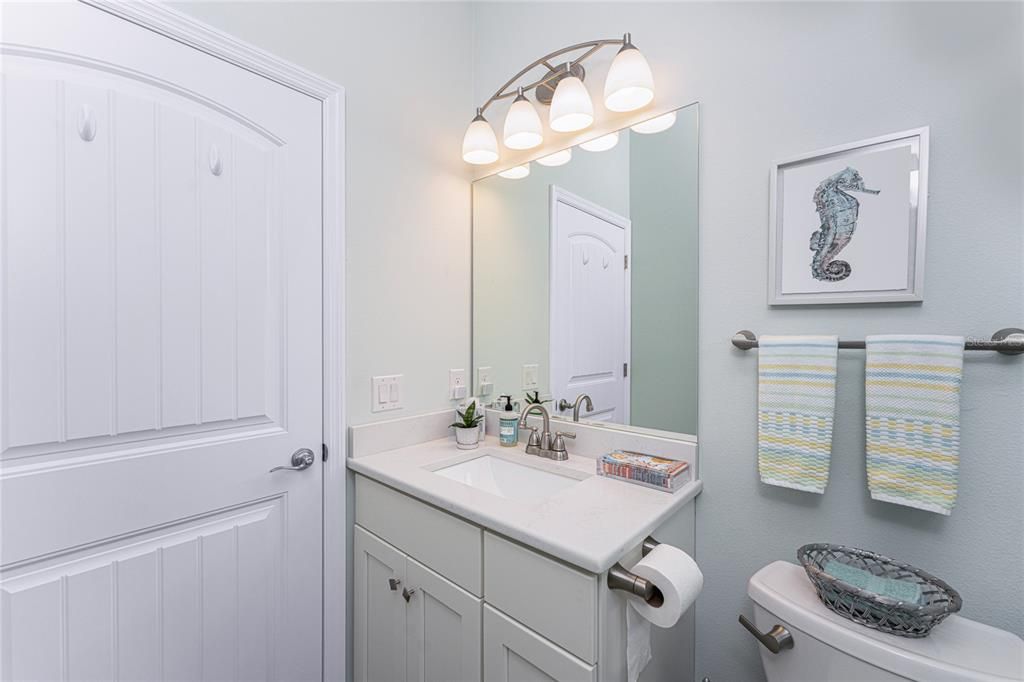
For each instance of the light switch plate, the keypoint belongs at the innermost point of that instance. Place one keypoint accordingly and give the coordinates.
(457, 388)
(485, 385)
(386, 393)
(530, 374)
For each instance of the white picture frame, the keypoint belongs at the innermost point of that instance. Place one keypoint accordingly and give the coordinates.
(879, 223)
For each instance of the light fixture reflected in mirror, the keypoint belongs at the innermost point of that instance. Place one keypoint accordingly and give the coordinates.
(630, 83)
(479, 146)
(557, 159)
(655, 125)
(571, 108)
(601, 144)
(516, 172)
(523, 129)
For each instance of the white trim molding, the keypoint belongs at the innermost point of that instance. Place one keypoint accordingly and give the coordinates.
(183, 28)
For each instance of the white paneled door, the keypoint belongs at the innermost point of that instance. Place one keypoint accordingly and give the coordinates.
(590, 306)
(161, 353)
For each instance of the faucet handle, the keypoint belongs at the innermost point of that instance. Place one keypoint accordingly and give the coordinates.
(559, 444)
(533, 444)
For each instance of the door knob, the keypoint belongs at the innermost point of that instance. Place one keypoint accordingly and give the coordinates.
(301, 459)
(775, 640)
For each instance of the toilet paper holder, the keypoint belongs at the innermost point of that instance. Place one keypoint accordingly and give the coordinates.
(621, 578)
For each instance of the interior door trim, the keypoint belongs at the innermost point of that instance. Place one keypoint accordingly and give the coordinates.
(185, 29)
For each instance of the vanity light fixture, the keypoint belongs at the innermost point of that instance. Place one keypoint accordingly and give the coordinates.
(523, 129)
(479, 146)
(629, 86)
(557, 159)
(630, 83)
(516, 172)
(601, 144)
(571, 108)
(655, 125)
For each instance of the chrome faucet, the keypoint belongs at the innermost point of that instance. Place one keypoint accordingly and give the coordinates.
(564, 404)
(543, 445)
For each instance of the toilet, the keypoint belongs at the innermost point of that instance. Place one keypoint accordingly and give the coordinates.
(828, 647)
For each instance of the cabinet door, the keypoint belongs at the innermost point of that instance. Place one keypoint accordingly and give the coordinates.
(379, 612)
(513, 653)
(443, 629)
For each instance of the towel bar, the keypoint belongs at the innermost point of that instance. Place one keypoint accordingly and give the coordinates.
(1009, 341)
(620, 578)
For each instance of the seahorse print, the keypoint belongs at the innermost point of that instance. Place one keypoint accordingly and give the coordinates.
(838, 212)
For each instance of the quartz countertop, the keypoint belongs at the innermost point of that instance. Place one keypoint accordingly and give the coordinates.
(591, 524)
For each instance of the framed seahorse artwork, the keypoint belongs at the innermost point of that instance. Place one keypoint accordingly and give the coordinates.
(847, 223)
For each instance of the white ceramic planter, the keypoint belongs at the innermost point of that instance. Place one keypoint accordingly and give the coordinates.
(467, 439)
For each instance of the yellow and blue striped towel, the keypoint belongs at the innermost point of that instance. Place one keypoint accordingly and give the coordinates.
(912, 400)
(796, 404)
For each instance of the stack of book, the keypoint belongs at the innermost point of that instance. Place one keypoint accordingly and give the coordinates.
(636, 467)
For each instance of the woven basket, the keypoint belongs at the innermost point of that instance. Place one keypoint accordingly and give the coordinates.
(938, 600)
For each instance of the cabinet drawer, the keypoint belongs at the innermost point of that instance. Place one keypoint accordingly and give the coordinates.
(450, 546)
(512, 653)
(556, 600)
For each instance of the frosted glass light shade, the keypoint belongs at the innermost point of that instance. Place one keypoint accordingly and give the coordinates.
(600, 144)
(629, 84)
(655, 125)
(523, 129)
(556, 159)
(516, 172)
(571, 108)
(479, 146)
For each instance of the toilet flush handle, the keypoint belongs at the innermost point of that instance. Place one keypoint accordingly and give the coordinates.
(775, 640)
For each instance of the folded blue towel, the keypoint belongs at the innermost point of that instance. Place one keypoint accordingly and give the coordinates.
(900, 590)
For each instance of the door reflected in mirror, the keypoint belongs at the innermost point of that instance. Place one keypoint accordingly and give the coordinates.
(585, 280)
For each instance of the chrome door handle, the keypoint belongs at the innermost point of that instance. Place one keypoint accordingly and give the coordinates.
(301, 459)
(775, 640)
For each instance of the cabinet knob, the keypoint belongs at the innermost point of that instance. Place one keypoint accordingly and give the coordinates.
(407, 593)
(393, 583)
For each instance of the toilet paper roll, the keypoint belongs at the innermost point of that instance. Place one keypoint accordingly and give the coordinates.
(678, 578)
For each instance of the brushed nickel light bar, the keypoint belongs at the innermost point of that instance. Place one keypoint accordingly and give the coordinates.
(628, 86)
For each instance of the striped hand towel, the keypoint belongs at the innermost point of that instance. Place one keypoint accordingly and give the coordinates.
(796, 403)
(912, 397)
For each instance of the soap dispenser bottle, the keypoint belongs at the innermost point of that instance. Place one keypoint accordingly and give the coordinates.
(508, 424)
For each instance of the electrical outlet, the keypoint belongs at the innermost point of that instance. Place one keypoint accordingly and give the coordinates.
(457, 389)
(530, 374)
(386, 393)
(483, 381)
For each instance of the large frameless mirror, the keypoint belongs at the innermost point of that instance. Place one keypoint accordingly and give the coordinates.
(585, 279)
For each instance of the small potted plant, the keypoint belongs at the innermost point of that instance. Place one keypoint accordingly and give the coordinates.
(535, 399)
(467, 429)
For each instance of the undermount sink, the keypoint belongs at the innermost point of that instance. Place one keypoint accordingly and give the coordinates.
(507, 479)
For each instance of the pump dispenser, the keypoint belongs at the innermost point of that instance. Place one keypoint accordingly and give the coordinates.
(508, 424)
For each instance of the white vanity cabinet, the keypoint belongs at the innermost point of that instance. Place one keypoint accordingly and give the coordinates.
(470, 604)
(410, 623)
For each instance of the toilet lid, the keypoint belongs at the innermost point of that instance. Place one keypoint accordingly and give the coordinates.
(957, 649)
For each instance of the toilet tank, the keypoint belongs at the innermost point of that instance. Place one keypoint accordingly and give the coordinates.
(830, 648)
